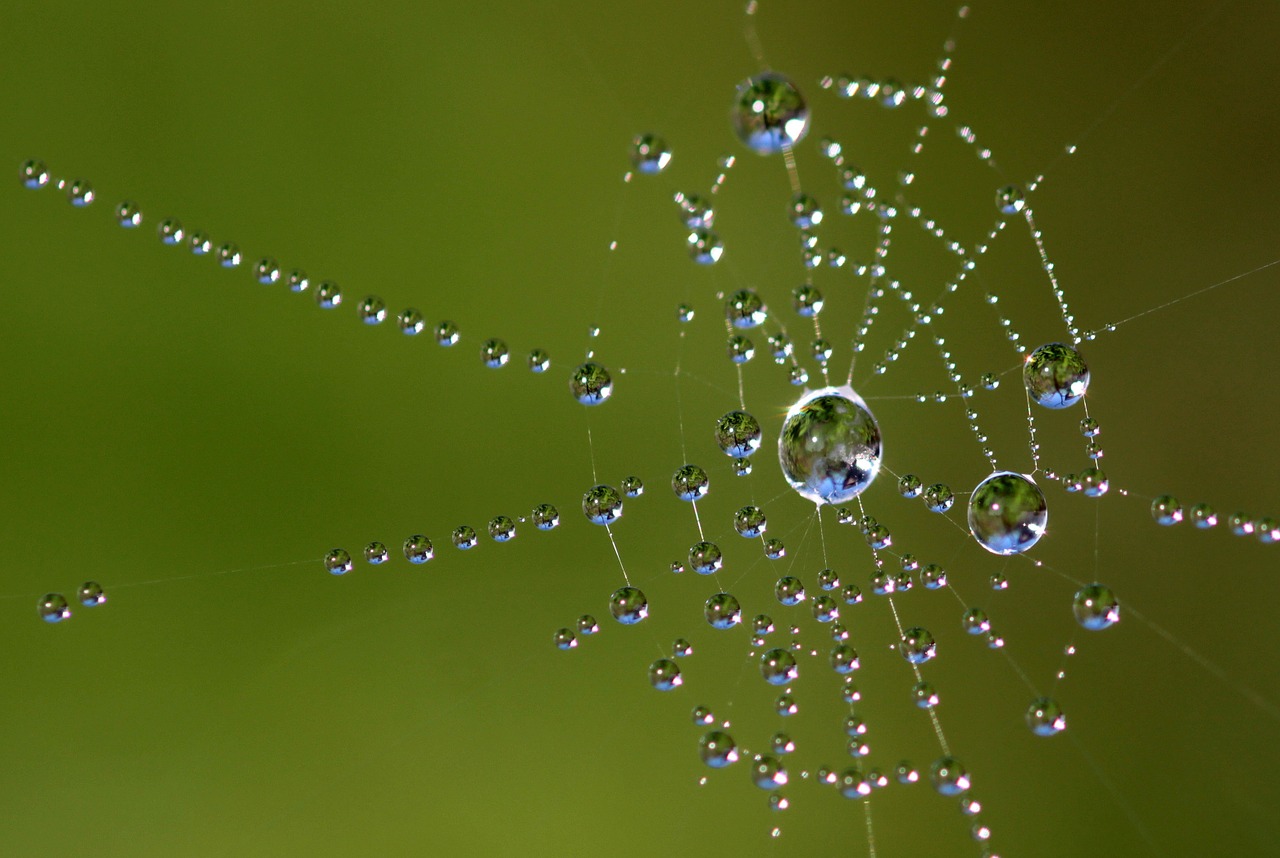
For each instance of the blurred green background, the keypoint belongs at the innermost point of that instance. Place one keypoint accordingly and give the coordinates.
(176, 426)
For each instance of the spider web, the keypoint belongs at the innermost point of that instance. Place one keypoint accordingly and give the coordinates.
(171, 422)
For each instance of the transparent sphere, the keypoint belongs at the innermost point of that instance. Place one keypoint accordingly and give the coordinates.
(1007, 513)
(632, 487)
(769, 114)
(1096, 607)
(338, 562)
(565, 639)
(689, 482)
(1045, 718)
(949, 777)
(745, 309)
(789, 590)
(723, 611)
(464, 537)
(917, 645)
(829, 447)
(546, 517)
(750, 521)
(53, 608)
(502, 528)
(628, 605)
(1010, 199)
(591, 384)
(778, 667)
(664, 675)
(767, 772)
(494, 353)
(650, 154)
(418, 549)
(717, 749)
(705, 558)
(91, 594)
(1056, 376)
(375, 553)
(738, 434)
(602, 504)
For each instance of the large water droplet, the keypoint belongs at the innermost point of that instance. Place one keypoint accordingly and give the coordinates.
(778, 667)
(769, 113)
(53, 608)
(1056, 376)
(723, 611)
(689, 483)
(90, 594)
(830, 447)
(767, 772)
(738, 434)
(650, 153)
(1096, 607)
(1045, 718)
(628, 605)
(602, 504)
(1007, 513)
(591, 384)
(717, 749)
(917, 645)
(664, 675)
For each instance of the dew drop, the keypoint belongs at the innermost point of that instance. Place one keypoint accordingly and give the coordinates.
(591, 384)
(778, 667)
(789, 590)
(1045, 718)
(493, 353)
(705, 558)
(53, 608)
(769, 114)
(1007, 513)
(91, 594)
(829, 447)
(717, 749)
(745, 309)
(328, 295)
(650, 154)
(565, 639)
(1096, 607)
(664, 675)
(632, 487)
(464, 537)
(418, 549)
(502, 529)
(266, 271)
(228, 255)
(628, 605)
(723, 611)
(938, 498)
(170, 231)
(949, 777)
(917, 645)
(128, 215)
(538, 361)
(767, 772)
(338, 562)
(372, 310)
(1166, 510)
(447, 333)
(34, 174)
(80, 194)
(602, 504)
(410, 322)
(587, 625)
(689, 483)
(1056, 376)
(1010, 199)
(375, 554)
(545, 517)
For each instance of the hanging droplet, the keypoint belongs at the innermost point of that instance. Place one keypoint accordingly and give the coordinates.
(170, 231)
(722, 611)
(628, 605)
(1096, 607)
(976, 621)
(917, 645)
(493, 353)
(447, 333)
(375, 554)
(789, 590)
(933, 577)
(1011, 199)
(1056, 376)
(769, 114)
(128, 215)
(464, 537)
(717, 749)
(804, 211)
(949, 777)
(372, 310)
(591, 384)
(909, 486)
(91, 594)
(664, 675)
(228, 255)
(410, 321)
(545, 517)
(750, 522)
(767, 772)
(297, 281)
(1166, 510)
(200, 243)
(565, 639)
(338, 562)
(418, 549)
(829, 447)
(328, 295)
(844, 659)
(266, 271)
(705, 558)
(53, 608)
(632, 487)
(938, 498)
(745, 309)
(740, 349)
(502, 529)
(79, 193)
(1045, 718)
(705, 247)
(1007, 513)
(538, 361)
(650, 154)
(689, 483)
(681, 648)
(807, 300)
(925, 695)
(778, 667)
(587, 625)
(602, 504)
(34, 174)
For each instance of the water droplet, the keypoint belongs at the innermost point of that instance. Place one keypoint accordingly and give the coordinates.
(740, 349)
(80, 193)
(681, 648)
(933, 577)
(723, 611)
(924, 694)
(769, 114)
(410, 321)
(767, 772)
(781, 743)
(628, 605)
(1203, 516)
(338, 562)
(650, 154)
(853, 783)
(587, 625)
(689, 483)
(565, 639)
(1045, 718)
(447, 333)
(538, 361)
(804, 211)
(34, 174)
(778, 667)
(938, 498)
(170, 231)
(328, 295)
(418, 549)
(717, 749)
(684, 313)
(1096, 607)
(493, 353)
(917, 645)
(128, 215)
(705, 247)
(228, 255)
(745, 309)
(545, 517)
(372, 310)
(705, 558)
(774, 549)
(829, 447)
(664, 675)
(1007, 513)
(990, 381)
(632, 487)
(789, 590)
(464, 537)
(703, 716)
(375, 553)
(502, 529)
(844, 659)
(1166, 510)
(909, 486)
(807, 300)
(906, 774)
(949, 777)
(53, 608)
(976, 621)
(200, 243)
(1011, 199)
(1056, 376)
(602, 504)
(297, 281)
(591, 384)
(90, 594)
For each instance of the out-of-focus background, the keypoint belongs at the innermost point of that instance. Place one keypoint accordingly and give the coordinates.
(196, 441)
